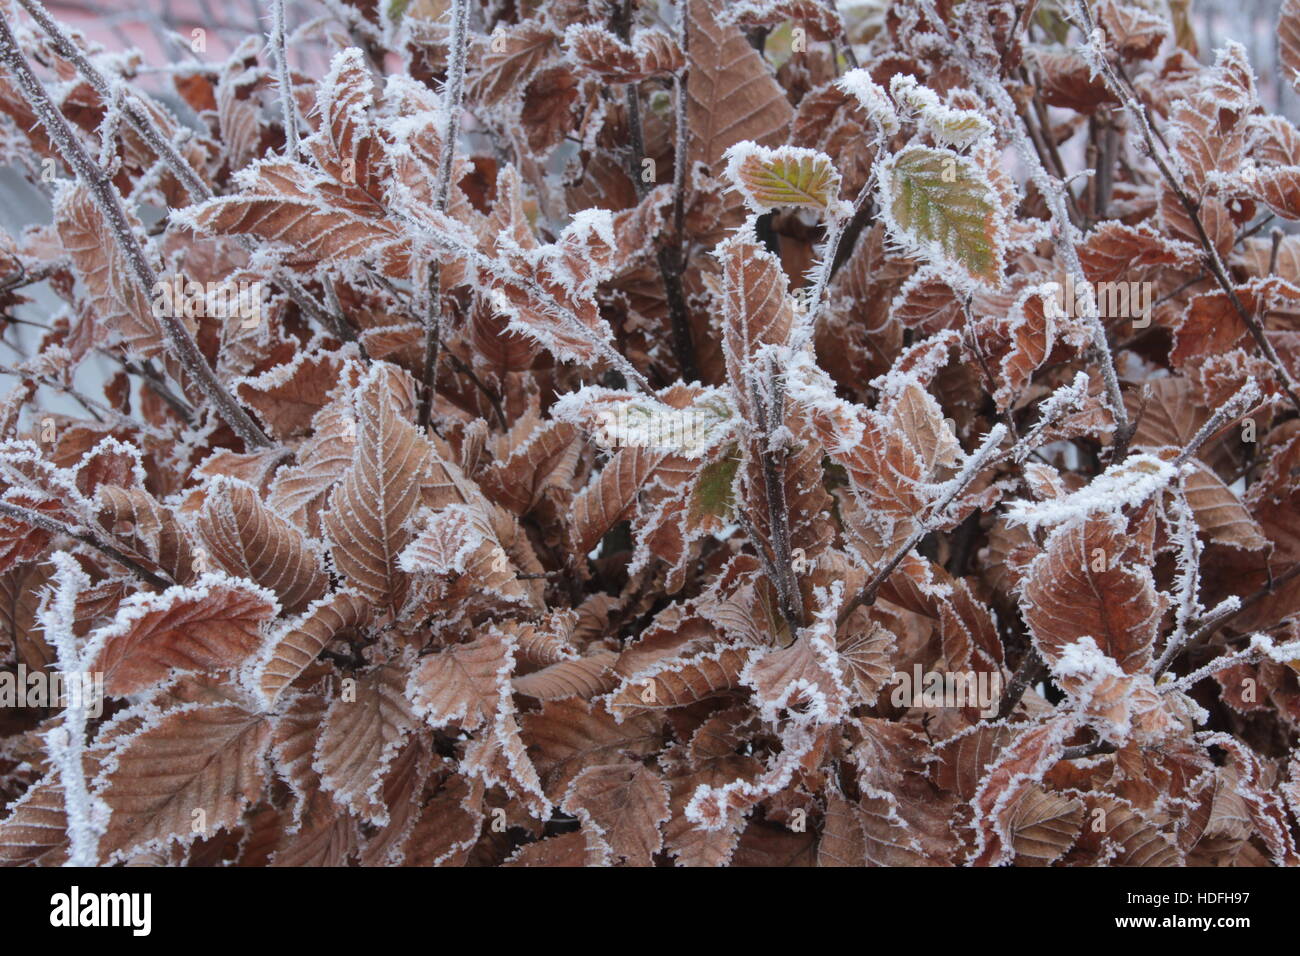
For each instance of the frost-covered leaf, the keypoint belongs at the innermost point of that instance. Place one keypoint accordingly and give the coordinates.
(247, 539)
(197, 757)
(650, 53)
(367, 521)
(625, 803)
(732, 94)
(1086, 584)
(943, 206)
(210, 626)
(786, 176)
(360, 738)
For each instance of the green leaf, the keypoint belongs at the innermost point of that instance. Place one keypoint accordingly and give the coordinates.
(788, 176)
(942, 204)
(713, 494)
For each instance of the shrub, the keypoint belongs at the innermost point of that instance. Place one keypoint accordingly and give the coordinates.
(555, 435)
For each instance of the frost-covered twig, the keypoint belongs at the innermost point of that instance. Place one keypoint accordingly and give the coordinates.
(67, 742)
(974, 464)
(155, 383)
(456, 360)
(1188, 578)
(110, 205)
(1096, 55)
(1223, 612)
(836, 224)
(1026, 673)
(1066, 238)
(1260, 646)
(453, 95)
(1065, 235)
(37, 520)
(772, 415)
(1244, 398)
(671, 255)
(280, 54)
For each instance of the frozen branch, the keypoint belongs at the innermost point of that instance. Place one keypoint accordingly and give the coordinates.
(280, 54)
(452, 97)
(37, 520)
(67, 742)
(974, 465)
(1260, 646)
(166, 150)
(1242, 400)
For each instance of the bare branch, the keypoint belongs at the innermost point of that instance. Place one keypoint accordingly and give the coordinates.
(1212, 258)
(452, 96)
(143, 123)
(37, 520)
(973, 466)
(280, 55)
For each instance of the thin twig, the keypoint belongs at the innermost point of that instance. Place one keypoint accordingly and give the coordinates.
(280, 54)
(143, 123)
(1026, 673)
(67, 742)
(772, 416)
(1065, 237)
(1242, 400)
(974, 464)
(453, 95)
(671, 255)
(37, 520)
(1223, 613)
(1247, 655)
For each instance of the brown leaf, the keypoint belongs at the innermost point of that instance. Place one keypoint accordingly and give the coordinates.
(146, 529)
(1220, 514)
(370, 508)
(360, 739)
(1082, 585)
(247, 539)
(651, 52)
(117, 301)
(625, 803)
(732, 95)
(1288, 40)
(213, 626)
(462, 684)
(204, 758)
(585, 677)
(1044, 825)
(299, 642)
